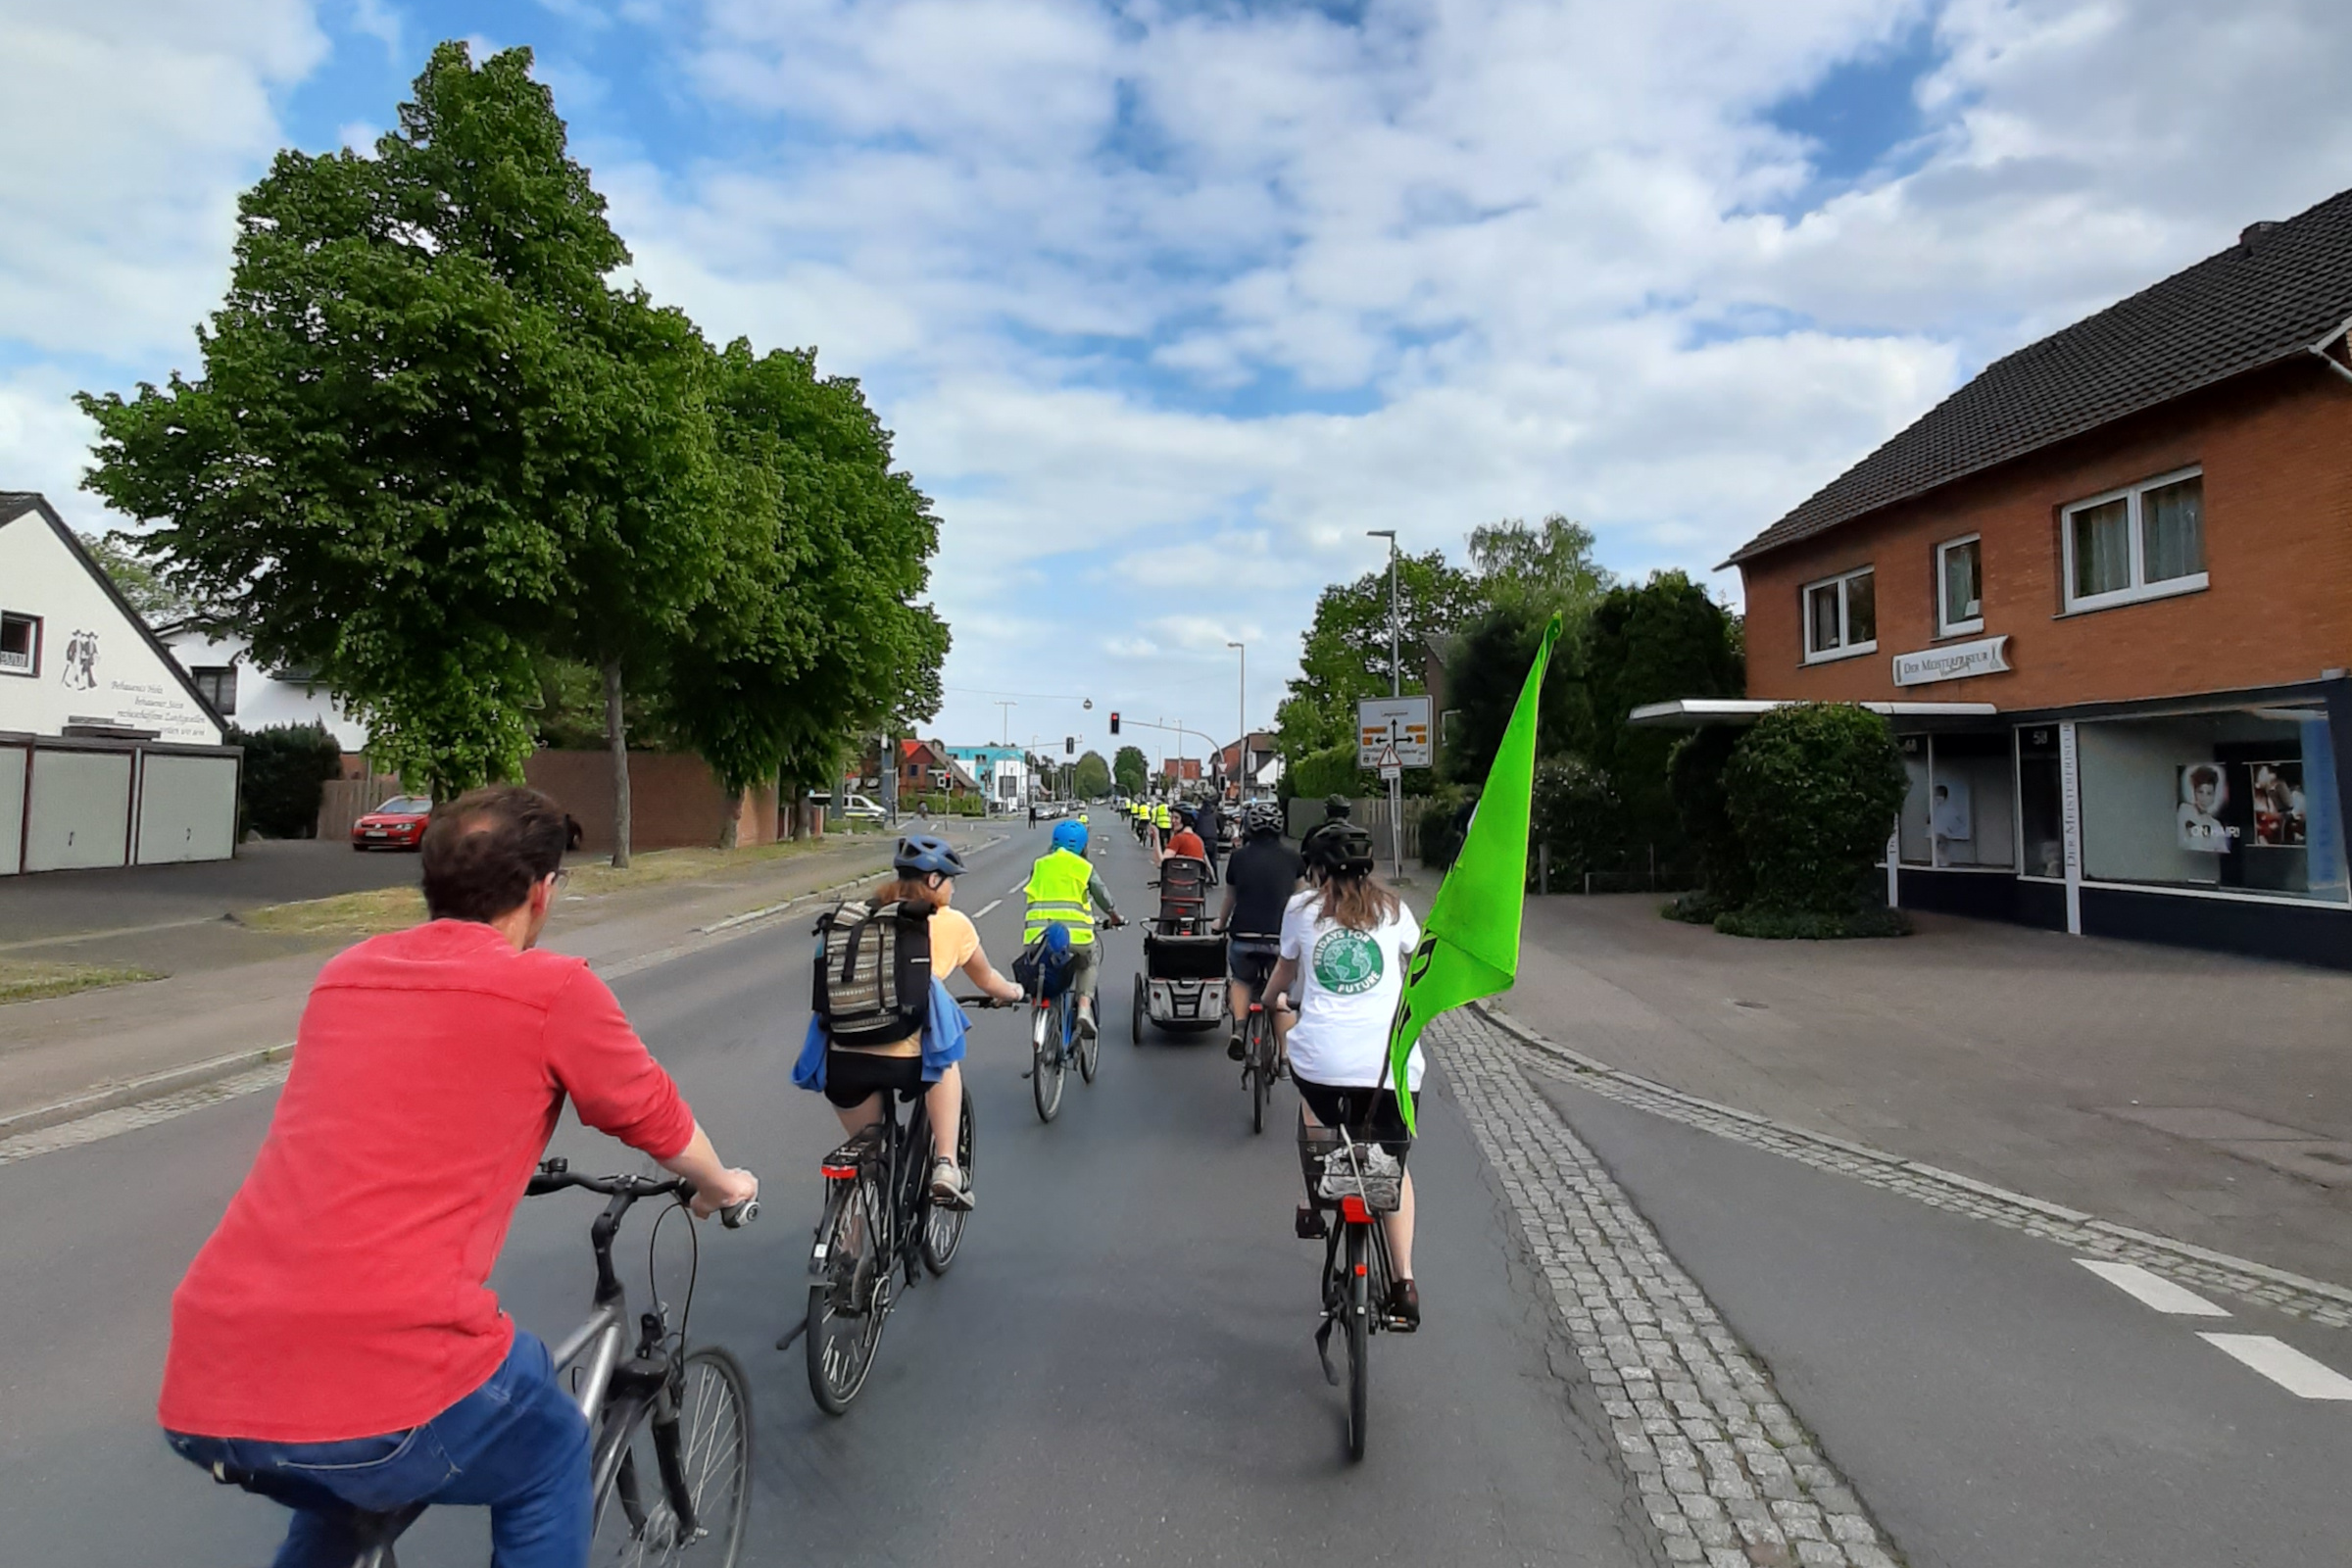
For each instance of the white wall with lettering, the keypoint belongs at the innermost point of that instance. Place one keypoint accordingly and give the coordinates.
(93, 666)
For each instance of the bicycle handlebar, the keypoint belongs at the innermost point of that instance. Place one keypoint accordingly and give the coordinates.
(556, 1175)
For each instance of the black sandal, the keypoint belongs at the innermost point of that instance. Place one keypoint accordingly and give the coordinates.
(1404, 1304)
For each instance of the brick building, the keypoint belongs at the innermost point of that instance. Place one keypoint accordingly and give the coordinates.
(2105, 592)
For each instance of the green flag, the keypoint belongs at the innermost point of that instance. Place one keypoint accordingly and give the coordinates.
(1470, 943)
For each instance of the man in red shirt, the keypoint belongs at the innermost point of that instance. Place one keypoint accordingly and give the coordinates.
(337, 1337)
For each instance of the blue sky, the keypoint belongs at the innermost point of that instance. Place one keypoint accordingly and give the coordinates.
(1169, 300)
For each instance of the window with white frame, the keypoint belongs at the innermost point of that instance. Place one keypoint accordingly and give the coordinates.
(2141, 542)
(20, 644)
(1842, 615)
(1959, 586)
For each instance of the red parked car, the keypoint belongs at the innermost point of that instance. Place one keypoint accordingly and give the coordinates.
(397, 824)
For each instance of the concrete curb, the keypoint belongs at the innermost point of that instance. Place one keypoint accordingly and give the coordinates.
(1968, 1184)
(132, 1091)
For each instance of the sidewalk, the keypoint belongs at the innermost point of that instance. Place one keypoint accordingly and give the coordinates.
(2198, 1095)
(53, 1051)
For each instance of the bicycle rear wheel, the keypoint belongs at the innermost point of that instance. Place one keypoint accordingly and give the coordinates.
(705, 1458)
(1261, 1054)
(1360, 1336)
(1045, 1060)
(850, 1298)
(942, 1227)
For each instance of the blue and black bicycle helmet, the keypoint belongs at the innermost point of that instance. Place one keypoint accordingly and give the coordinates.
(1070, 836)
(922, 853)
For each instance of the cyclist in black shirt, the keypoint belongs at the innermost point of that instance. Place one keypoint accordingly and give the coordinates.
(1258, 886)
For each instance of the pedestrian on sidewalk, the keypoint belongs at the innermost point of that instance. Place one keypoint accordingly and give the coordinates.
(337, 1338)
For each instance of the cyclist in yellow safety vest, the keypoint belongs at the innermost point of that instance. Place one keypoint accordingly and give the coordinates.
(1064, 890)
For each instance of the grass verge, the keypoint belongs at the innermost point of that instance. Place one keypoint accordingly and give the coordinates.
(23, 980)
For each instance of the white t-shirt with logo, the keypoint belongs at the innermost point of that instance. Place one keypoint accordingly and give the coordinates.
(1349, 983)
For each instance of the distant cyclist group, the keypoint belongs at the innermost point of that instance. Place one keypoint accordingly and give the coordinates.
(336, 1346)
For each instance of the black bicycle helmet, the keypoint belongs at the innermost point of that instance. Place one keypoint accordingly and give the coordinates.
(1336, 807)
(1263, 821)
(921, 853)
(1339, 848)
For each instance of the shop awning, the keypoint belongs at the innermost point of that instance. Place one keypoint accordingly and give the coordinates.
(1689, 712)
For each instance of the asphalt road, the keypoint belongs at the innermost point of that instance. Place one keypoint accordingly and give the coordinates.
(1994, 1402)
(1120, 1369)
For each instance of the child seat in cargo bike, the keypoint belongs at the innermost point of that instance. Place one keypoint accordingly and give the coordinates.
(1182, 985)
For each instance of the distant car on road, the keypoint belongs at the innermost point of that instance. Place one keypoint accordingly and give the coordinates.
(857, 807)
(397, 824)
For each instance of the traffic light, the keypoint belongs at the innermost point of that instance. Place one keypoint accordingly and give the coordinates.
(1069, 746)
(1114, 724)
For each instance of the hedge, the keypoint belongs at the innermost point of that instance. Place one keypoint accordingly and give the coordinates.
(1577, 816)
(1812, 791)
(285, 776)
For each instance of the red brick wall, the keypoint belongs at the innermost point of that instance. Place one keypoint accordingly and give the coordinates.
(674, 801)
(2277, 451)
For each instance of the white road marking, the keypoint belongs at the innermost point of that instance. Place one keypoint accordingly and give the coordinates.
(2298, 1374)
(985, 907)
(2154, 1290)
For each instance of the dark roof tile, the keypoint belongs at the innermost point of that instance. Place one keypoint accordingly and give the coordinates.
(2279, 291)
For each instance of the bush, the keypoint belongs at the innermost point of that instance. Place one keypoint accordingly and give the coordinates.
(1577, 816)
(1442, 825)
(1813, 789)
(1694, 777)
(1330, 772)
(283, 778)
(1786, 925)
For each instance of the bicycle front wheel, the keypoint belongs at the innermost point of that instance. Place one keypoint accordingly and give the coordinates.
(942, 1227)
(848, 1299)
(1090, 1047)
(698, 1467)
(1360, 1336)
(1044, 1060)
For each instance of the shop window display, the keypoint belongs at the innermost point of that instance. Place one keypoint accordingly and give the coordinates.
(2239, 800)
(1956, 813)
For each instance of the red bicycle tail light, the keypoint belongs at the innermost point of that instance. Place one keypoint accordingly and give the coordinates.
(1354, 1211)
(841, 1173)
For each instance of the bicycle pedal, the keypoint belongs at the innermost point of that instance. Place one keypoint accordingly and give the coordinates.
(1310, 1223)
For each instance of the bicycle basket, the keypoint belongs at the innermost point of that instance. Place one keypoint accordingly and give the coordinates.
(1336, 1168)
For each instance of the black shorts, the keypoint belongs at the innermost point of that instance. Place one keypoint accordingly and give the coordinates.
(852, 1077)
(1367, 1114)
(1251, 962)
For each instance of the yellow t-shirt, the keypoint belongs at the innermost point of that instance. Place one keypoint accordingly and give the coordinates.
(953, 941)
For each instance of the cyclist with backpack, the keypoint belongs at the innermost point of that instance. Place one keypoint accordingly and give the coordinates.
(1065, 889)
(1345, 942)
(897, 944)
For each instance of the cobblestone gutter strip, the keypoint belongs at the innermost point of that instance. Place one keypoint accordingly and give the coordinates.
(88, 1129)
(2317, 1301)
(1726, 1474)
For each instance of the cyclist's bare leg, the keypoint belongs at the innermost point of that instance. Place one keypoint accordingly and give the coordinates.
(856, 1118)
(1398, 1228)
(944, 1101)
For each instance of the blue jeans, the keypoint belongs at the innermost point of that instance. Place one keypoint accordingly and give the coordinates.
(517, 1445)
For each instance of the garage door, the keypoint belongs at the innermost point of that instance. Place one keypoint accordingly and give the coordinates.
(187, 809)
(12, 808)
(80, 809)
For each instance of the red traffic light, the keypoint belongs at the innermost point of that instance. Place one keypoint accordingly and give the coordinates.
(1114, 724)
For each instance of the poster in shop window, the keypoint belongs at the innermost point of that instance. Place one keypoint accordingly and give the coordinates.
(2204, 791)
(2277, 797)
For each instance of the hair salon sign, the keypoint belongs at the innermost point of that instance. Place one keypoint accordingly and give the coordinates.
(1952, 661)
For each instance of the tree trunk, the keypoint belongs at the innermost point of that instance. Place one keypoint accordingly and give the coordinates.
(727, 828)
(617, 735)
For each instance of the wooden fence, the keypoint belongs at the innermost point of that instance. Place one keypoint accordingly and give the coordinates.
(344, 800)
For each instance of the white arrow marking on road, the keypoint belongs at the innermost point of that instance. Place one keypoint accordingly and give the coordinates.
(2298, 1374)
(985, 907)
(2154, 1290)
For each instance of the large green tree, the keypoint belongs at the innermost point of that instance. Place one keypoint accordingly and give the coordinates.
(1091, 780)
(1345, 654)
(1649, 643)
(394, 448)
(1542, 570)
(1132, 769)
(816, 635)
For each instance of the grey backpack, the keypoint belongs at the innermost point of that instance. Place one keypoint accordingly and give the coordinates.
(873, 975)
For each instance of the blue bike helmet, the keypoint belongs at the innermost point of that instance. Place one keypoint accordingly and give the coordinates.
(1070, 836)
(921, 853)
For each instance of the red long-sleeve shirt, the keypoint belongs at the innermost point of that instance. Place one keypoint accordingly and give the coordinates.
(346, 1292)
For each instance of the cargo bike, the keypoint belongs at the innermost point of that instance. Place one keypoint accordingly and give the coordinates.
(1181, 985)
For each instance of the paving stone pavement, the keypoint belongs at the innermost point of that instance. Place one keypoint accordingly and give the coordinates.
(1727, 1475)
(2316, 1301)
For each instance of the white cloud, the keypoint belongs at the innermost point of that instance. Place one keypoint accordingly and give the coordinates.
(129, 128)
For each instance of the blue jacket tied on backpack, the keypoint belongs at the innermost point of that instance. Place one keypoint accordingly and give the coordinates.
(943, 1042)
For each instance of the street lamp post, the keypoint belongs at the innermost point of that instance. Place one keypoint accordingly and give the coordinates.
(1240, 745)
(1395, 689)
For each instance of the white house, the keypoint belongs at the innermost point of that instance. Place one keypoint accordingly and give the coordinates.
(223, 669)
(109, 755)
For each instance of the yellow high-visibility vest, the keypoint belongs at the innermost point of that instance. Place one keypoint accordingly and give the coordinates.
(1162, 818)
(1058, 895)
